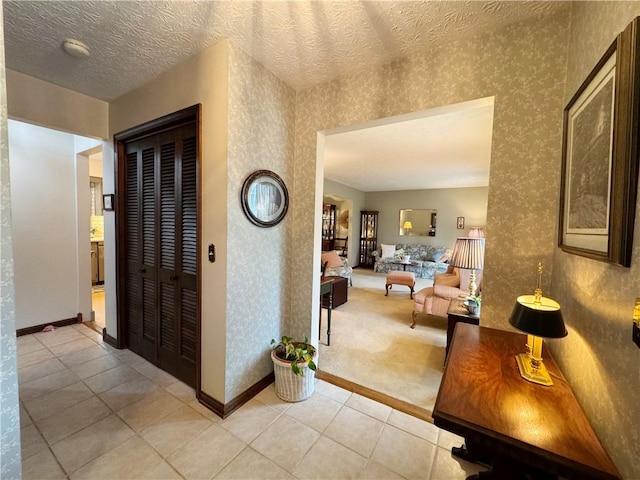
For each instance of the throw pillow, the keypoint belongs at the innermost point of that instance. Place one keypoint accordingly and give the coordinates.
(398, 254)
(437, 256)
(332, 258)
(446, 256)
(388, 251)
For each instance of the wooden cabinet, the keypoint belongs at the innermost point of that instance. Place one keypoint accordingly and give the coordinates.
(97, 263)
(328, 227)
(368, 237)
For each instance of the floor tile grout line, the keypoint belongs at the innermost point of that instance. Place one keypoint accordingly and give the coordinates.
(96, 395)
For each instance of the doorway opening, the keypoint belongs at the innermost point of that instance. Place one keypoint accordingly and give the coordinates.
(96, 224)
(435, 159)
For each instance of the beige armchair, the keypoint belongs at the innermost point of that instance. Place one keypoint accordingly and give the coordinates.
(446, 286)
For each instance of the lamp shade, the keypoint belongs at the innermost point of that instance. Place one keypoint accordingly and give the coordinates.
(407, 225)
(542, 319)
(476, 232)
(468, 253)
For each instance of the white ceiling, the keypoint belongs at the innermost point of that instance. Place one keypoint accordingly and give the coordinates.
(302, 42)
(447, 147)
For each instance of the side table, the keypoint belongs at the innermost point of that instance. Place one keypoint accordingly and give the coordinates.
(457, 313)
(326, 291)
(339, 296)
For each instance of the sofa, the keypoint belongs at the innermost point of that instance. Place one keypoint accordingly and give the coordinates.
(425, 260)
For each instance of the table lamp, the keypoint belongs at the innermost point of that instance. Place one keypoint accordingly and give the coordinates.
(407, 226)
(538, 317)
(476, 232)
(468, 253)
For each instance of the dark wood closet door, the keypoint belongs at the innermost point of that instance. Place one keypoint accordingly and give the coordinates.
(161, 242)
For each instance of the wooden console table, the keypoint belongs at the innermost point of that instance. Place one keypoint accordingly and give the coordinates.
(521, 429)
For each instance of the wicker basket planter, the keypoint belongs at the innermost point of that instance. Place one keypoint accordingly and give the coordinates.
(289, 386)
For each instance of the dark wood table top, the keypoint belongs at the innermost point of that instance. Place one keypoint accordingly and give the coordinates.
(483, 393)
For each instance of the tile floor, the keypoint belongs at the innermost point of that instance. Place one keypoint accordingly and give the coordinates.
(89, 411)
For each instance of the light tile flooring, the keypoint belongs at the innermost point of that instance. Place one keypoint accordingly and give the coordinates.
(97, 305)
(89, 411)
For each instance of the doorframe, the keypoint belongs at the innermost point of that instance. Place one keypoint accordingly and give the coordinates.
(154, 127)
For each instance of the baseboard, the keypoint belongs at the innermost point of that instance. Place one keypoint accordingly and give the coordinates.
(59, 323)
(109, 340)
(401, 405)
(223, 410)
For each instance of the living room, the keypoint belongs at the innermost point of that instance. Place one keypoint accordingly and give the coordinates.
(433, 163)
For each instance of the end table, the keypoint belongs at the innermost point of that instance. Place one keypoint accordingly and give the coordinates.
(457, 313)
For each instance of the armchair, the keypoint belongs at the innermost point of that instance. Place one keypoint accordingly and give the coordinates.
(337, 266)
(446, 286)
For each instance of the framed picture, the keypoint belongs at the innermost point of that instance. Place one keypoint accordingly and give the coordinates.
(107, 201)
(264, 198)
(460, 223)
(600, 158)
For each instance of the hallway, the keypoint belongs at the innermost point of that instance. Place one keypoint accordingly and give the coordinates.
(89, 411)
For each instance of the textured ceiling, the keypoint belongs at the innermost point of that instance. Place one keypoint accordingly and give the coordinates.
(303, 42)
(446, 147)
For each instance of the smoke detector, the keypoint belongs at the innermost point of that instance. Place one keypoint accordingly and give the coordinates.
(75, 48)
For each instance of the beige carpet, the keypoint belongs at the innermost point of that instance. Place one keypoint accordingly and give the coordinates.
(372, 344)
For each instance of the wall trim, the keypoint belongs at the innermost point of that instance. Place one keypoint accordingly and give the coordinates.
(400, 405)
(223, 410)
(58, 323)
(109, 340)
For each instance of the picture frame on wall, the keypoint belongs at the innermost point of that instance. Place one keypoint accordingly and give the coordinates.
(108, 201)
(264, 198)
(600, 157)
(460, 223)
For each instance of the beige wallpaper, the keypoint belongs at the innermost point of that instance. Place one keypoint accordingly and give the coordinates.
(10, 464)
(261, 128)
(598, 356)
(523, 66)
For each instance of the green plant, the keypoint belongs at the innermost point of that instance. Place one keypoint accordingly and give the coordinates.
(294, 352)
(475, 299)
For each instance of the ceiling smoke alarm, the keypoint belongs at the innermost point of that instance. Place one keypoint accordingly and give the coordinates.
(75, 48)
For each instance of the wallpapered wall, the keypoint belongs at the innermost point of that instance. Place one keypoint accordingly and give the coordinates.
(10, 460)
(523, 66)
(261, 126)
(598, 356)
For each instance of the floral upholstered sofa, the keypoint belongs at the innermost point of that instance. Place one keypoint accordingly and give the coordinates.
(425, 260)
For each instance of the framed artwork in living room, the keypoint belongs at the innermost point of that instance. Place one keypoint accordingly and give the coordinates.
(600, 157)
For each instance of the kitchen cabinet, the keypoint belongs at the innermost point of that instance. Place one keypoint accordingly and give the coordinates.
(97, 263)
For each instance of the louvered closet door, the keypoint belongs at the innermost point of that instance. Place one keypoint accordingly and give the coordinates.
(161, 209)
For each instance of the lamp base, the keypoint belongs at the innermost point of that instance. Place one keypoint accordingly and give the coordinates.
(538, 375)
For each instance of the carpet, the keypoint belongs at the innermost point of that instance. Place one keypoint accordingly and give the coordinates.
(372, 344)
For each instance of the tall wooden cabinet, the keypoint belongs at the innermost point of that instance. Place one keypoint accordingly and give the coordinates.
(368, 237)
(160, 274)
(328, 227)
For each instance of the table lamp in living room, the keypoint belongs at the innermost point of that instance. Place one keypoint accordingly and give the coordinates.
(468, 253)
(538, 317)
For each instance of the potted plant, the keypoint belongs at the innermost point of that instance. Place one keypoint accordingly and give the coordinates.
(473, 304)
(294, 368)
